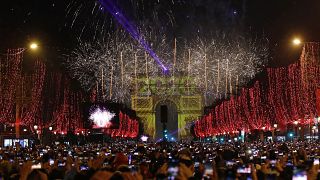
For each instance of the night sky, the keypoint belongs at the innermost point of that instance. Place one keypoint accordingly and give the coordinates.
(279, 20)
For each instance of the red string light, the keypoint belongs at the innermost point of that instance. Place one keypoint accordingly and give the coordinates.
(288, 95)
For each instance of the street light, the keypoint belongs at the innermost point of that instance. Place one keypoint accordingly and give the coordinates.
(274, 132)
(50, 128)
(296, 41)
(35, 127)
(291, 135)
(34, 46)
(275, 126)
(295, 128)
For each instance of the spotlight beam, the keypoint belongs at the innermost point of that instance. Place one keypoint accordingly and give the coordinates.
(131, 29)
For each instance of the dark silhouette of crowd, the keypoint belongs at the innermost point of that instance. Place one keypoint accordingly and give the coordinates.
(165, 160)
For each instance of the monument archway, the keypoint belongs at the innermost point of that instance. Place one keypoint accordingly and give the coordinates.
(149, 94)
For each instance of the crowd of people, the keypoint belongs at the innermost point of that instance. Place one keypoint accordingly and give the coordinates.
(164, 160)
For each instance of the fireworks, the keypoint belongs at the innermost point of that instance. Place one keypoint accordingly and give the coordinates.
(216, 66)
(101, 117)
(89, 21)
(112, 64)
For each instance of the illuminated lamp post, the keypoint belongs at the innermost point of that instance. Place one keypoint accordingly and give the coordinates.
(274, 132)
(291, 136)
(296, 128)
(262, 133)
(314, 128)
(33, 47)
(36, 127)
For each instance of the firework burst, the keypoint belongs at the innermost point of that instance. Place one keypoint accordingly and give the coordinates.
(216, 67)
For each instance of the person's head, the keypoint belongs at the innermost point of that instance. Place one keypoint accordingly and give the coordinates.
(120, 159)
(101, 175)
(116, 176)
(185, 159)
(37, 174)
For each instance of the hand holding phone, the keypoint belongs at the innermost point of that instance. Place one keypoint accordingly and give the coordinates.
(299, 175)
(196, 164)
(208, 169)
(173, 172)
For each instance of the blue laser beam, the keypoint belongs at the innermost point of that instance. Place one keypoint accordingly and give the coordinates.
(131, 29)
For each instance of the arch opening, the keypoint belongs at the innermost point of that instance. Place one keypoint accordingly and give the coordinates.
(172, 120)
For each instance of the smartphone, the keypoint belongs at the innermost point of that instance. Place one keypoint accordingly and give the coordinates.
(36, 166)
(196, 164)
(61, 164)
(263, 157)
(316, 162)
(173, 172)
(129, 159)
(84, 167)
(244, 170)
(299, 175)
(133, 169)
(230, 163)
(105, 164)
(51, 162)
(208, 169)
